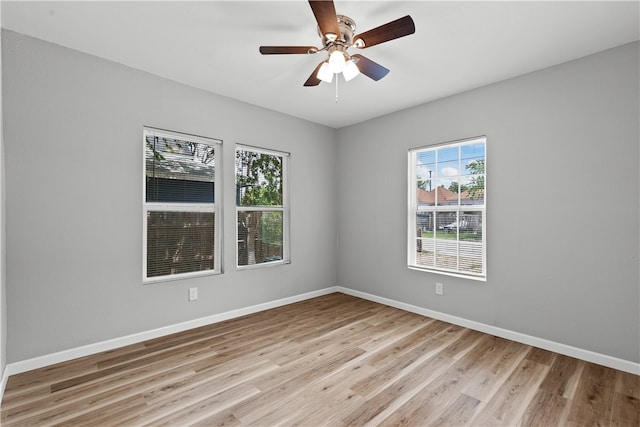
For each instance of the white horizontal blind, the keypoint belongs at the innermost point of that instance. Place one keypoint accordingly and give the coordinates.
(180, 207)
(261, 206)
(447, 208)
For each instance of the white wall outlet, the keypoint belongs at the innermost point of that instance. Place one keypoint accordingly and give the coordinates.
(439, 289)
(193, 294)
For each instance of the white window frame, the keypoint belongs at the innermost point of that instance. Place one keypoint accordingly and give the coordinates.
(414, 209)
(284, 208)
(184, 207)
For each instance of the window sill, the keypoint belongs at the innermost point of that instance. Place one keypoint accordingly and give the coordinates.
(262, 264)
(448, 273)
(174, 277)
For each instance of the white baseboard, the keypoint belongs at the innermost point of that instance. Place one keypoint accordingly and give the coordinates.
(567, 350)
(74, 353)
(66, 355)
(3, 382)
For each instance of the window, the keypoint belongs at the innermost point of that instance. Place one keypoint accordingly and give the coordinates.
(262, 210)
(181, 208)
(447, 220)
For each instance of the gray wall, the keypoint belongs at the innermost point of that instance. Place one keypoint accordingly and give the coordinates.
(73, 142)
(562, 162)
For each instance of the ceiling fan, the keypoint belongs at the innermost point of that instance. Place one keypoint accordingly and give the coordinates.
(338, 34)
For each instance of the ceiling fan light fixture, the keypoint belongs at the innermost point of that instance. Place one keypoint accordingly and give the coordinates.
(337, 62)
(350, 70)
(324, 73)
(331, 37)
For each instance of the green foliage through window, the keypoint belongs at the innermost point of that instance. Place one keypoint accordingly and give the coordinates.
(258, 179)
(260, 205)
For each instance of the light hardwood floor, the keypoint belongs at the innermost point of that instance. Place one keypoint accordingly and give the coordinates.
(335, 360)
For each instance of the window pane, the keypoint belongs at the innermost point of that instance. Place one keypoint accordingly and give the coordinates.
(447, 254)
(447, 225)
(179, 171)
(448, 162)
(258, 179)
(425, 239)
(471, 226)
(179, 242)
(444, 195)
(425, 198)
(260, 237)
(471, 257)
(446, 243)
(471, 242)
(425, 175)
(426, 157)
(470, 153)
(472, 190)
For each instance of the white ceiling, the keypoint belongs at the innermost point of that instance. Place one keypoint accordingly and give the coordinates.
(213, 45)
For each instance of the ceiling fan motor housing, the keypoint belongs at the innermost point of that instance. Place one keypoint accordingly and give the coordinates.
(347, 28)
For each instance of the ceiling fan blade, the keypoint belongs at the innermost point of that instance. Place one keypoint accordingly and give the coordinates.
(325, 13)
(391, 30)
(313, 79)
(369, 68)
(286, 50)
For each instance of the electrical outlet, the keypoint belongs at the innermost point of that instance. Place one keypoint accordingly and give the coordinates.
(439, 289)
(193, 294)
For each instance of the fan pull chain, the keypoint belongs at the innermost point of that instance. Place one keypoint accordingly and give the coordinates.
(337, 78)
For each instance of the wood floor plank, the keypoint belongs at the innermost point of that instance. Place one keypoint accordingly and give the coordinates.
(122, 384)
(254, 408)
(403, 344)
(335, 360)
(74, 402)
(628, 384)
(219, 419)
(459, 412)
(317, 401)
(541, 356)
(33, 394)
(626, 410)
(330, 326)
(37, 377)
(205, 408)
(563, 376)
(304, 364)
(382, 404)
(545, 409)
(437, 349)
(207, 382)
(593, 400)
(383, 333)
(99, 416)
(485, 383)
(30, 383)
(357, 332)
(137, 363)
(508, 405)
(433, 401)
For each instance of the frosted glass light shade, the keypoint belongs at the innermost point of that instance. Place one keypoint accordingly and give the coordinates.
(337, 62)
(324, 73)
(350, 70)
